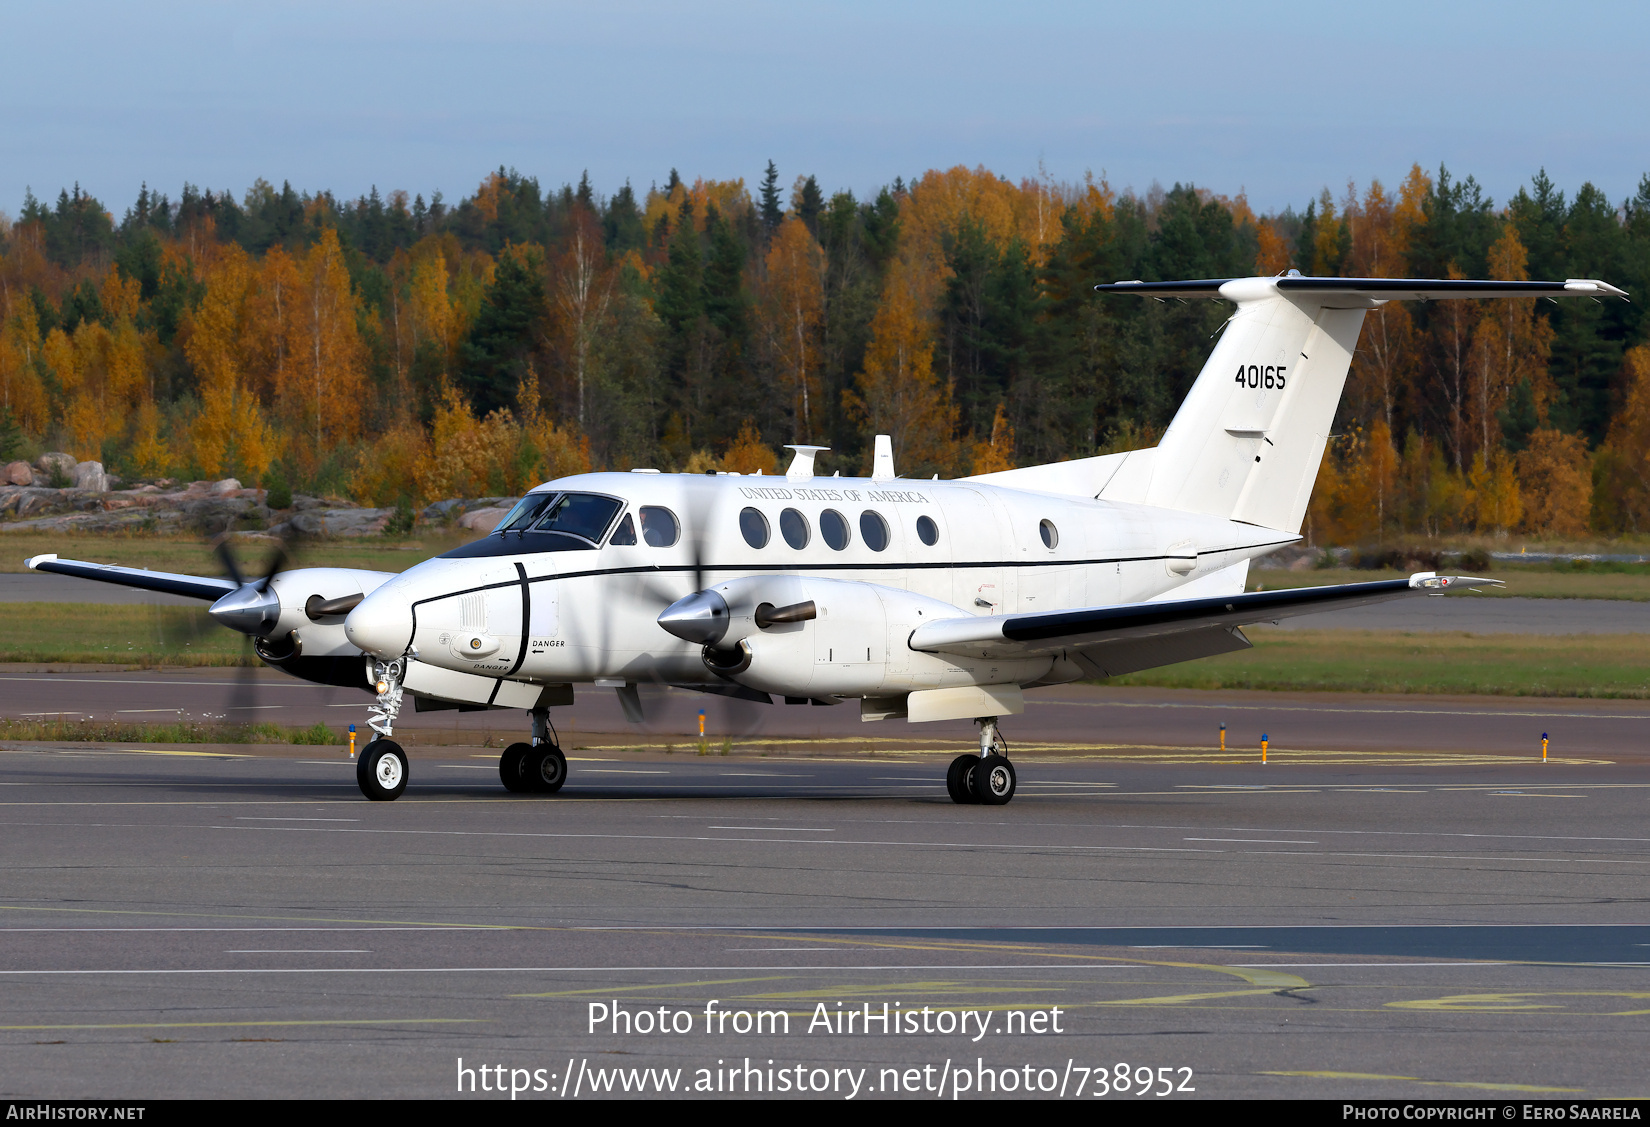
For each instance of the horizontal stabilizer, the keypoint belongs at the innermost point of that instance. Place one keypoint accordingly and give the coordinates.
(1374, 289)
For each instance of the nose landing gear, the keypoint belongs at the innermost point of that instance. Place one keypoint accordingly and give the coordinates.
(534, 768)
(986, 779)
(381, 769)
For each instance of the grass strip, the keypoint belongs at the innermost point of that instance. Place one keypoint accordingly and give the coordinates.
(1392, 661)
(99, 633)
(51, 729)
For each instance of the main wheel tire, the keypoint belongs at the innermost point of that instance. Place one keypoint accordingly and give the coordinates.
(512, 768)
(957, 778)
(993, 781)
(547, 768)
(381, 770)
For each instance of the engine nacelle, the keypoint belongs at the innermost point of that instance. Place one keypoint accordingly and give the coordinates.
(854, 645)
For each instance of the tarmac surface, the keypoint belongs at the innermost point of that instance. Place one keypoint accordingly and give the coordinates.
(1403, 902)
(1339, 923)
(1178, 722)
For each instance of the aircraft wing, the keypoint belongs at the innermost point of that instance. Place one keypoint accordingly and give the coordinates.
(1122, 639)
(192, 586)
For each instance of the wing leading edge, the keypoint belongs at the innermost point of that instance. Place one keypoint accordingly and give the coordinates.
(192, 586)
(1189, 627)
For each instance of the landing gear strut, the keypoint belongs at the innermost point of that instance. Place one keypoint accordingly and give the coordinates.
(381, 768)
(988, 778)
(535, 768)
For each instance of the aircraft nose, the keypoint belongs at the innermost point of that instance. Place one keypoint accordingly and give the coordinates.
(382, 624)
(701, 617)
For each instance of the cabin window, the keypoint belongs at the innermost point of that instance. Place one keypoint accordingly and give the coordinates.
(659, 526)
(927, 531)
(753, 526)
(833, 526)
(873, 530)
(580, 514)
(626, 532)
(1051, 535)
(793, 526)
(526, 511)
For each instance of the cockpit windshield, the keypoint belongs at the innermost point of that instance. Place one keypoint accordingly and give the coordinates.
(580, 514)
(527, 510)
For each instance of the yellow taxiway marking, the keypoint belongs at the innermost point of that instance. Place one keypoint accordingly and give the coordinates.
(1182, 999)
(655, 986)
(244, 1024)
(1266, 981)
(1503, 1003)
(202, 754)
(1324, 1075)
(901, 988)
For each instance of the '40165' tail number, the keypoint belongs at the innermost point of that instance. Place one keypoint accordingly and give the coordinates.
(1257, 375)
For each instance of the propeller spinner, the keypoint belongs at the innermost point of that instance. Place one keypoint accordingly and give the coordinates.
(252, 608)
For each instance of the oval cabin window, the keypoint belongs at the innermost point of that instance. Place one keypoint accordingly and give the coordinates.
(793, 526)
(753, 526)
(833, 526)
(1051, 535)
(873, 530)
(927, 531)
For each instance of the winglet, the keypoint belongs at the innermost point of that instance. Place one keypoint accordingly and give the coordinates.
(35, 561)
(1432, 581)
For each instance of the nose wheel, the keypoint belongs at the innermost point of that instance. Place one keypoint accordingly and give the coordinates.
(986, 779)
(381, 770)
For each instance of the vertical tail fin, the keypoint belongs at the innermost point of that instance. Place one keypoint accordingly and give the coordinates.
(1247, 442)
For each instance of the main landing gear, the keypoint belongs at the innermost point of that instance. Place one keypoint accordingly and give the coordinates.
(535, 768)
(988, 778)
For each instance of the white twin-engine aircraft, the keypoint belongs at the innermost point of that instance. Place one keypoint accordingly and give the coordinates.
(923, 600)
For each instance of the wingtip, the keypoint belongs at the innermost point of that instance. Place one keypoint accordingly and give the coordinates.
(1432, 581)
(33, 562)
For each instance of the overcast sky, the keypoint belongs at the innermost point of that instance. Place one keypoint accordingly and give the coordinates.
(1279, 99)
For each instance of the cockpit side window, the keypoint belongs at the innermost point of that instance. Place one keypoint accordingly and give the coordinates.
(527, 510)
(659, 526)
(625, 534)
(585, 515)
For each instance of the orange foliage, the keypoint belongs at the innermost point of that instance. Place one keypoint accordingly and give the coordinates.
(322, 388)
(997, 453)
(1556, 480)
(897, 393)
(748, 453)
(1275, 255)
(21, 390)
(729, 197)
(229, 434)
(792, 315)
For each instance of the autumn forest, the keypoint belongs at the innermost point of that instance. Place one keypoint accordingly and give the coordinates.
(400, 350)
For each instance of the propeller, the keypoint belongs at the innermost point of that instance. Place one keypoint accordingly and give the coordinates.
(252, 610)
